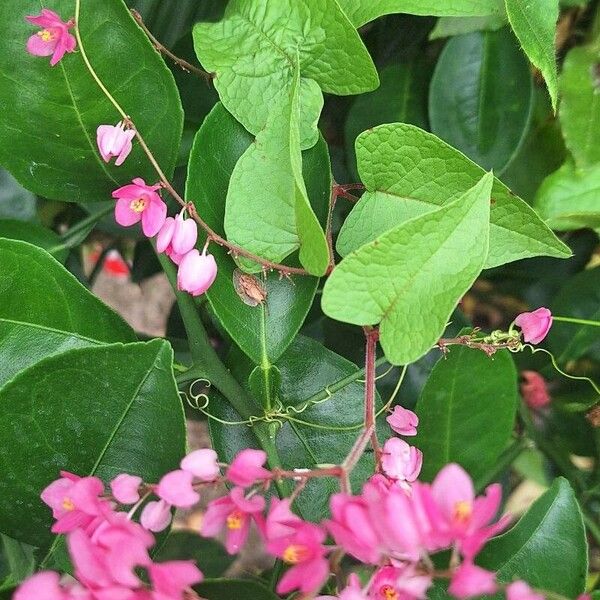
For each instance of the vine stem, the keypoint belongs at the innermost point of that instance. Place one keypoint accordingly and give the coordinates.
(212, 235)
(577, 321)
(371, 337)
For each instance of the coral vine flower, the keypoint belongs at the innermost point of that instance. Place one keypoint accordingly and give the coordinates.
(170, 579)
(519, 590)
(114, 140)
(469, 580)
(403, 421)
(176, 489)
(54, 37)
(535, 325)
(401, 461)
(304, 550)
(235, 512)
(281, 521)
(74, 501)
(125, 488)
(196, 272)
(247, 467)
(136, 202)
(201, 464)
(393, 583)
(156, 516)
(177, 236)
(534, 390)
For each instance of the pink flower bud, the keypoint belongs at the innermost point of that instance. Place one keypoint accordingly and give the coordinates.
(247, 467)
(140, 202)
(184, 235)
(165, 235)
(469, 580)
(403, 421)
(54, 37)
(156, 516)
(196, 272)
(201, 464)
(44, 585)
(125, 488)
(519, 590)
(114, 140)
(534, 390)
(535, 325)
(401, 461)
(176, 489)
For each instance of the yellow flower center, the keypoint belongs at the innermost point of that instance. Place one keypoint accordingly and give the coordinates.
(235, 520)
(46, 35)
(68, 504)
(138, 205)
(388, 592)
(463, 511)
(294, 554)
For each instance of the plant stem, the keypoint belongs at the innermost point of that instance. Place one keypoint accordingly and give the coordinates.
(577, 321)
(371, 335)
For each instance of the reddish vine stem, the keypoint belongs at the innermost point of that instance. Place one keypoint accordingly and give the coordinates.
(467, 340)
(371, 337)
(180, 62)
(342, 190)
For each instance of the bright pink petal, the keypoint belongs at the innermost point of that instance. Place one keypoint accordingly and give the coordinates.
(154, 216)
(176, 489)
(44, 585)
(156, 516)
(124, 215)
(202, 463)
(125, 488)
(38, 47)
(165, 235)
(185, 234)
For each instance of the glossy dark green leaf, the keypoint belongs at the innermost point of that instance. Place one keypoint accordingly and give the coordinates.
(20, 559)
(34, 234)
(264, 331)
(547, 547)
(579, 298)
(44, 310)
(102, 411)
(208, 554)
(480, 97)
(306, 368)
(467, 411)
(48, 146)
(401, 97)
(15, 201)
(234, 589)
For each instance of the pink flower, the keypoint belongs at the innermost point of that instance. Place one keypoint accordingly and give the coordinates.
(185, 234)
(54, 38)
(351, 528)
(202, 464)
(165, 235)
(281, 521)
(114, 140)
(401, 461)
(176, 489)
(535, 325)
(125, 488)
(469, 580)
(247, 468)
(394, 583)
(44, 585)
(170, 579)
(304, 550)
(234, 512)
(465, 517)
(519, 590)
(196, 272)
(534, 390)
(403, 421)
(156, 516)
(74, 501)
(352, 591)
(137, 201)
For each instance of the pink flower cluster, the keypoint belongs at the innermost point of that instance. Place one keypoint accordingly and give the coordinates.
(53, 39)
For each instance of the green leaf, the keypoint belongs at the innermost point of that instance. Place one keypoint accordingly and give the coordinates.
(401, 97)
(421, 267)
(579, 298)
(92, 411)
(234, 589)
(408, 172)
(264, 331)
(481, 97)
(307, 368)
(34, 234)
(333, 58)
(49, 145)
(279, 219)
(534, 23)
(363, 11)
(580, 105)
(44, 310)
(568, 198)
(208, 554)
(450, 26)
(547, 547)
(467, 411)
(20, 558)
(15, 201)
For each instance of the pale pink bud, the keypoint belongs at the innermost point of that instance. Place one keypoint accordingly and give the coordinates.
(469, 580)
(156, 516)
(53, 39)
(535, 325)
(176, 489)
(403, 421)
(165, 235)
(201, 464)
(125, 488)
(184, 235)
(196, 272)
(114, 140)
(534, 390)
(401, 461)
(247, 467)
